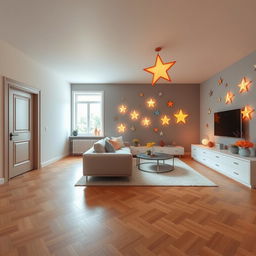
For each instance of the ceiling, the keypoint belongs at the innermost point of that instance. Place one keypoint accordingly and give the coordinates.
(111, 41)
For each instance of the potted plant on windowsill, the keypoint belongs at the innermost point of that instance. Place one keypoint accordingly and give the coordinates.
(244, 147)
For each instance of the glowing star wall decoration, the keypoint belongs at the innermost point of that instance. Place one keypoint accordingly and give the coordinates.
(209, 111)
(170, 103)
(244, 85)
(247, 112)
(122, 109)
(134, 115)
(121, 128)
(229, 97)
(146, 122)
(159, 70)
(161, 133)
(141, 94)
(165, 120)
(151, 103)
(181, 117)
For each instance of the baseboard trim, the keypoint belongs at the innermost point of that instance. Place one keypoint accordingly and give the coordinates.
(1, 181)
(53, 160)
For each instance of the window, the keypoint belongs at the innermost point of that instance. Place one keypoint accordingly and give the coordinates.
(88, 113)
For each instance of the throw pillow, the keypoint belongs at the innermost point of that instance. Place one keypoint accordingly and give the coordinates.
(109, 147)
(119, 140)
(115, 144)
(99, 146)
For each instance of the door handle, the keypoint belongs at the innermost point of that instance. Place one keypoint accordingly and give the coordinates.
(12, 135)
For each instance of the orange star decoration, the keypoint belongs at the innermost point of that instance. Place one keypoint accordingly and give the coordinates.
(244, 85)
(170, 103)
(151, 103)
(229, 97)
(247, 112)
(181, 117)
(121, 128)
(155, 130)
(146, 122)
(165, 120)
(159, 70)
(134, 115)
(122, 109)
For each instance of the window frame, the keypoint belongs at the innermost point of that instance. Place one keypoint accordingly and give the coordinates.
(74, 112)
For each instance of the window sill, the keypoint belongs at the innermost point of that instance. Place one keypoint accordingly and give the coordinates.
(85, 137)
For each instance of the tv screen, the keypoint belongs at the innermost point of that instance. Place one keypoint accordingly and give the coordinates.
(228, 123)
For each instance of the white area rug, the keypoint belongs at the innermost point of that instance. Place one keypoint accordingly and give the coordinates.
(182, 175)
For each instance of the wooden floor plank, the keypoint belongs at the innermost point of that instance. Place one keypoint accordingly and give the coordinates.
(43, 213)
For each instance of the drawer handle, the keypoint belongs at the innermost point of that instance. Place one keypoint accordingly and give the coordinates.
(217, 165)
(236, 163)
(217, 156)
(236, 173)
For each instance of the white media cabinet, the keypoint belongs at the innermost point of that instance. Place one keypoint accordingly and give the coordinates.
(241, 169)
(172, 150)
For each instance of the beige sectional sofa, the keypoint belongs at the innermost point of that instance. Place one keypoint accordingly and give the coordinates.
(118, 163)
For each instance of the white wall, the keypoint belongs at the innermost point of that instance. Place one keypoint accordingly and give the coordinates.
(233, 76)
(55, 100)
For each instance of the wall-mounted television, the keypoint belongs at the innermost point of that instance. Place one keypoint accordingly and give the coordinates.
(229, 123)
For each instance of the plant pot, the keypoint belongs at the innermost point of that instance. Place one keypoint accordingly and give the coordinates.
(244, 152)
(149, 152)
(252, 152)
(233, 149)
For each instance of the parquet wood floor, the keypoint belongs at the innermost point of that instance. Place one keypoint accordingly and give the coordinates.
(42, 213)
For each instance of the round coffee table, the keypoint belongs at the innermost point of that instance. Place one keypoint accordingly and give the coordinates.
(154, 162)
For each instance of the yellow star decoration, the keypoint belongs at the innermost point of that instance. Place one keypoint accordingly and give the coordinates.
(151, 103)
(247, 112)
(165, 120)
(229, 97)
(159, 70)
(121, 128)
(122, 109)
(181, 117)
(134, 115)
(244, 85)
(146, 122)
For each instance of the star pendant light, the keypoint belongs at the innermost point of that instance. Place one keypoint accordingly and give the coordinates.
(146, 122)
(151, 103)
(159, 70)
(121, 128)
(134, 115)
(229, 97)
(181, 117)
(122, 109)
(247, 112)
(165, 120)
(244, 85)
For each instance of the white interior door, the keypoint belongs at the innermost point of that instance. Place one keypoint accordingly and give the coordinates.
(20, 132)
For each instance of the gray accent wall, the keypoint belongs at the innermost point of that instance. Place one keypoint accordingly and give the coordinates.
(233, 76)
(185, 97)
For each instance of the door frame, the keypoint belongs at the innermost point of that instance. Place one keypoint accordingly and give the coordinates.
(36, 94)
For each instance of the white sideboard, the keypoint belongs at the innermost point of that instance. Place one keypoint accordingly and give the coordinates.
(172, 150)
(241, 169)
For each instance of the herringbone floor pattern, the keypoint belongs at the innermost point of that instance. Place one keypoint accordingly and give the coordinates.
(42, 213)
